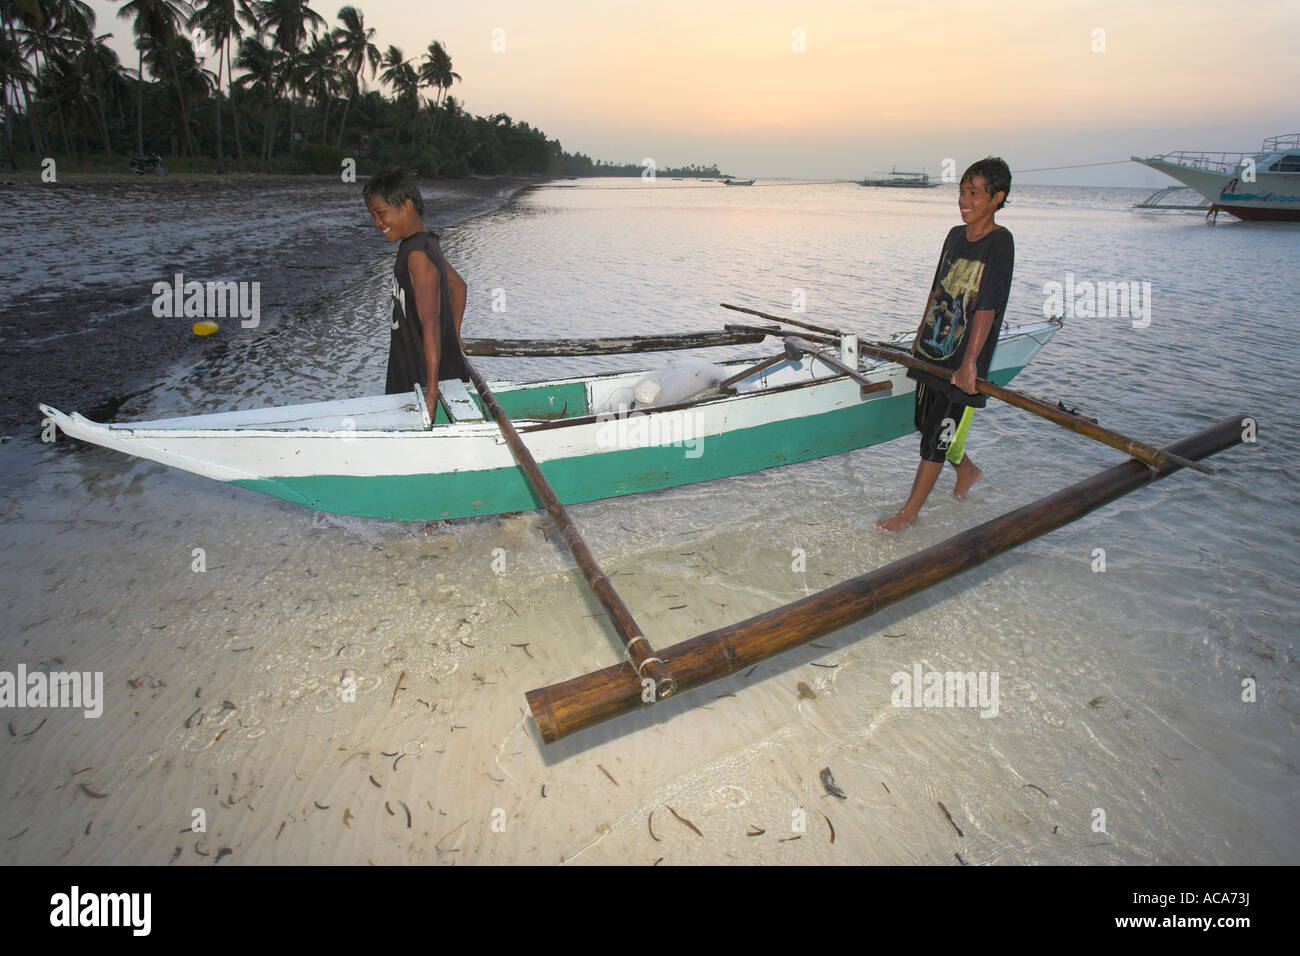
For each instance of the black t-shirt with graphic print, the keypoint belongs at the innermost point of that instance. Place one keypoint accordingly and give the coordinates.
(970, 276)
(406, 367)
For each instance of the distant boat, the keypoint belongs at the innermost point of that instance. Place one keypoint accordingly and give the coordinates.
(902, 180)
(739, 182)
(1255, 186)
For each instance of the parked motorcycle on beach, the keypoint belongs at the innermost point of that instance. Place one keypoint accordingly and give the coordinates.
(148, 164)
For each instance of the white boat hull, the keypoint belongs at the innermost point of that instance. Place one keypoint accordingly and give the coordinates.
(377, 457)
(1271, 196)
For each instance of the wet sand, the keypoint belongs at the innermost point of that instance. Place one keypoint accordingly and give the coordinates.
(337, 691)
(76, 321)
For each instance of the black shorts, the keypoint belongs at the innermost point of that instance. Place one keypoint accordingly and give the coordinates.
(937, 418)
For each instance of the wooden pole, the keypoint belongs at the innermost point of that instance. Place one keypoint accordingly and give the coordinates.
(795, 347)
(564, 708)
(642, 655)
(752, 370)
(609, 345)
(777, 332)
(1147, 454)
(797, 322)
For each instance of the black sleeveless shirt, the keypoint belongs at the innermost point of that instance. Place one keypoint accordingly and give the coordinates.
(970, 276)
(406, 366)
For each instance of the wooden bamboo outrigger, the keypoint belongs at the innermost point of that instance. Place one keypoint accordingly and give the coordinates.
(778, 332)
(610, 345)
(643, 659)
(1148, 454)
(564, 708)
(823, 330)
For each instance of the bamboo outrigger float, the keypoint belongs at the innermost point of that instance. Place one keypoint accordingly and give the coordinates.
(573, 705)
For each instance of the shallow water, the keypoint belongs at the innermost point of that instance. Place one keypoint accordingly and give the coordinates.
(1120, 691)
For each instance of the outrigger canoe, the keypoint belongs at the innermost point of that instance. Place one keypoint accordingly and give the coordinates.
(382, 457)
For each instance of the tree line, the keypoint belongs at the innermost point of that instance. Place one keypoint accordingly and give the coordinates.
(289, 93)
(567, 164)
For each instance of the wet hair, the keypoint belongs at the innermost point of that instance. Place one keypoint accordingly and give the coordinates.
(996, 173)
(394, 186)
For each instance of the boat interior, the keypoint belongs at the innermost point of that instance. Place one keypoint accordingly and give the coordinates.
(529, 404)
(533, 405)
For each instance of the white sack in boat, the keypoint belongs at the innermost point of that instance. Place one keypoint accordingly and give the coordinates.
(678, 381)
(619, 402)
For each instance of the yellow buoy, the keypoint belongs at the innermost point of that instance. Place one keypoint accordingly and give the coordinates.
(204, 328)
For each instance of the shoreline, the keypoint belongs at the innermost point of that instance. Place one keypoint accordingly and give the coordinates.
(331, 690)
(81, 333)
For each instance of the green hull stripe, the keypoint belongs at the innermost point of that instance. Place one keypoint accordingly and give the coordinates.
(621, 471)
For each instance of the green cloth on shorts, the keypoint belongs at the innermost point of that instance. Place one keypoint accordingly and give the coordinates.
(957, 448)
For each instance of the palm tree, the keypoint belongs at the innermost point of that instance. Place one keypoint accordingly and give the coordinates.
(453, 110)
(85, 63)
(290, 22)
(154, 23)
(261, 82)
(323, 75)
(52, 39)
(24, 15)
(13, 71)
(352, 40)
(435, 71)
(192, 83)
(13, 9)
(54, 90)
(370, 113)
(401, 76)
(221, 21)
(44, 38)
(97, 60)
(73, 84)
(72, 18)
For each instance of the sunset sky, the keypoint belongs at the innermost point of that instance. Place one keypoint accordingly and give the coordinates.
(878, 83)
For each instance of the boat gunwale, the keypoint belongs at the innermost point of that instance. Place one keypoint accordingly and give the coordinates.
(1008, 332)
(453, 429)
(526, 425)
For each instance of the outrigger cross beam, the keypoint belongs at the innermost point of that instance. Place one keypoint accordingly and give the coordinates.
(565, 708)
(1089, 428)
(646, 665)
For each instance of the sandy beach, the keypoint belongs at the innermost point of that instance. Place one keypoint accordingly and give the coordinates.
(283, 686)
(333, 691)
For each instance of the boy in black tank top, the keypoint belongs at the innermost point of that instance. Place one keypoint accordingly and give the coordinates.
(428, 294)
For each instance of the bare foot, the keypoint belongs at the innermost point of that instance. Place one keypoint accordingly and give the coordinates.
(967, 474)
(899, 522)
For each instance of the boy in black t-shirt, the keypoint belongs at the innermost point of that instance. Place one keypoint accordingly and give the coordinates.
(959, 330)
(428, 294)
